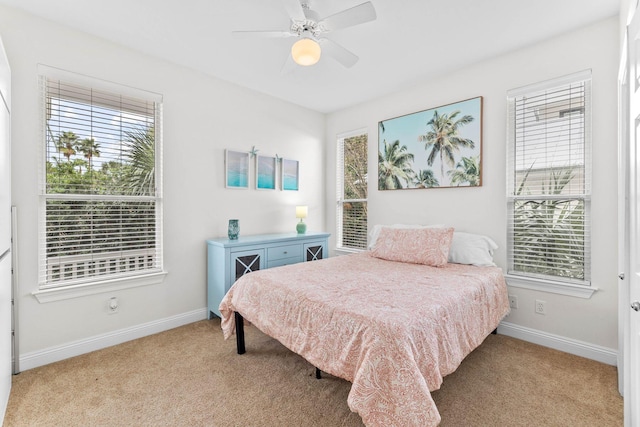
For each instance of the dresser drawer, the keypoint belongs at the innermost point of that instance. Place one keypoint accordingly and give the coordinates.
(281, 252)
(282, 261)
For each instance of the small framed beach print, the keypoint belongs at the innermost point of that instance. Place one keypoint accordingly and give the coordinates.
(266, 167)
(236, 169)
(290, 175)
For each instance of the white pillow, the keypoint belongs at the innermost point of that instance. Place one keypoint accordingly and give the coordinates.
(375, 231)
(474, 249)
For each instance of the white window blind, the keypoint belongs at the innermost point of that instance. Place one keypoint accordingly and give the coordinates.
(549, 180)
(351, 216)
(101, 196)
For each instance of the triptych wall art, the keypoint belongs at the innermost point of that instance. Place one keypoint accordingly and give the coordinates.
(268, 171)
(435, 148)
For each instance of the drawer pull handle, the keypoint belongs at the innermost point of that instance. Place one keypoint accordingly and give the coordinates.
(285, 252)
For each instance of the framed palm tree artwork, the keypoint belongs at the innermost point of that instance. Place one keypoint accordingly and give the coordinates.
(434, 148)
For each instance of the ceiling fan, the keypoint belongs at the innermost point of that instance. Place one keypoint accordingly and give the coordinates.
(309, 29)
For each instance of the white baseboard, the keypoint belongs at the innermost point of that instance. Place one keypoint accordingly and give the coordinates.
(568, 345)
(57, 353)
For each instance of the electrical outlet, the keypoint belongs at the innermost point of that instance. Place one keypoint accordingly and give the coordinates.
(513, 301)
(112, 305)
(541, 307)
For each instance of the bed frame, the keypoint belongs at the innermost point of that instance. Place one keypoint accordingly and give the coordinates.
(240, 339)
(240, 346)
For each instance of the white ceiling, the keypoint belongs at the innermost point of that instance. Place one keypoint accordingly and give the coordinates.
(411, 40)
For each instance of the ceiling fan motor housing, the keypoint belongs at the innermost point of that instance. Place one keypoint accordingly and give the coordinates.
(309, 25)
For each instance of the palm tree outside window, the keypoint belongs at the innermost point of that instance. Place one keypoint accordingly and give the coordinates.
(352, 177)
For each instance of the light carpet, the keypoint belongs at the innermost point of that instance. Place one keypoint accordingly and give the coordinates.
(190, 376)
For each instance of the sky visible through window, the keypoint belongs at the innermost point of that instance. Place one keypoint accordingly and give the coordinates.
(107, 126)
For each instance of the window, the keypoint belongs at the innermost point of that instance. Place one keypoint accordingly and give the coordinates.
(101, 196)
(549, 181)
(352, 192)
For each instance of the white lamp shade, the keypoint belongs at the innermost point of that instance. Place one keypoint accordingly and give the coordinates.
(301, 211)
(306, 52)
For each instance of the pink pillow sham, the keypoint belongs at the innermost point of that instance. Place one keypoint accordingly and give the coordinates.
(429, 246)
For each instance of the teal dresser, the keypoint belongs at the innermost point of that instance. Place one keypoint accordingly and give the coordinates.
(228, 260)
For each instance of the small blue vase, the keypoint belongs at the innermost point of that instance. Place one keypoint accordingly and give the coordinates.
(234, 229)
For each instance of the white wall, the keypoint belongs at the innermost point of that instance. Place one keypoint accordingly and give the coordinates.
(483, 210)
(202, 117)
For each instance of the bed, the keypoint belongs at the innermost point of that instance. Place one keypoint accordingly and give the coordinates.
(392, 328)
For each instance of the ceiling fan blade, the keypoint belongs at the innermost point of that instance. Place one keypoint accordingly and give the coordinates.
(294, 10)
(263, 34)
(360, 14)
(337, 52)
(288, 66)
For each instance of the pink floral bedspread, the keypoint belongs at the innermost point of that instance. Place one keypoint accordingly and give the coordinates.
(392, 329)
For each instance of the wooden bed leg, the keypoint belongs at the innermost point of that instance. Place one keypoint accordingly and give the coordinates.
(495, 331)
(318, 374)
(240, 333)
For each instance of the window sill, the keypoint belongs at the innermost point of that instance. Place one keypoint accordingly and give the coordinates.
(98, 287)
(552, 287)
(346, 251)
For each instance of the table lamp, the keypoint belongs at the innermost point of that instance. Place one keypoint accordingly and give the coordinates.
(301, 212)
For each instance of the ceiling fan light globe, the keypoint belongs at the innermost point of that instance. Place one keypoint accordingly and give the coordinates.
(306, 52)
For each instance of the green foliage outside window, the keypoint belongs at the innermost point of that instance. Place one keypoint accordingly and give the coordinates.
(82, 225)
(354, 207)
(74, 172)
(549, 229)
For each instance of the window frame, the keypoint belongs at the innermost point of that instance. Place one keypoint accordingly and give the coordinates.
(47, 291)
(340, 197)
(581, 288)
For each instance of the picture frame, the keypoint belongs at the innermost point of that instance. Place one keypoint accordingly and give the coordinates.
(266, 172)
(237, 169)
(290, 175)
(413, 154)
